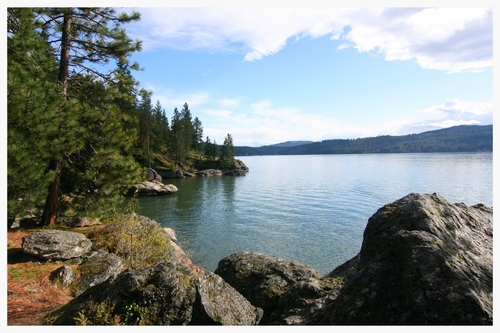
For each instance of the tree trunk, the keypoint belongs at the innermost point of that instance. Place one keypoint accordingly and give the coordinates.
(49, 216)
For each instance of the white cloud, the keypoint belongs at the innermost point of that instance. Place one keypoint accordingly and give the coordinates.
(457, 108)
(448, 39)
(230, 102)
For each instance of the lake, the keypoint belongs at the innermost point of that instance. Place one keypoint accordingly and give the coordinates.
(309, 208)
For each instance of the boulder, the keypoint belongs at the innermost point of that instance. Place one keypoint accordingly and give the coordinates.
(166, 294)
(172, 173)
(423, 261)
(262, 279)
(209, 173)
(153, 176)
(98, 268)
(151, 188)
(56, 244)
(221, 304)
(64, 275)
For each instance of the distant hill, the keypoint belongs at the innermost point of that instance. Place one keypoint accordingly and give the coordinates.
(464, 138)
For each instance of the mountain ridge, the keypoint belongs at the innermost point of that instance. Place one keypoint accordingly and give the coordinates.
(462, 138)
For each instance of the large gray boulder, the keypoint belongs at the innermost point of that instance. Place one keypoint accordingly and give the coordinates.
(262, 279)
(98, 268)
(148, 188)
(167, 294)
(423, 261)
(56, 244)
(153, 176)
(221, 304)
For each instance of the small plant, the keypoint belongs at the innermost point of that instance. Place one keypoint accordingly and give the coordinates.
(109, 314)
(138, 241)
(84, 258)
(100, 314)
(135, 315)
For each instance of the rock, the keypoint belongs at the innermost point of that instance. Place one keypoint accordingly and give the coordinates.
(166, 294)
(171, 234)
(56, 244)
(214, 306)
(262, 279)
(172, 174)
(98, 268)
(240, 169)
(151, 188)
(423, 261)
(309, 301)
(64, 275)
(153, 176)
(209, 173)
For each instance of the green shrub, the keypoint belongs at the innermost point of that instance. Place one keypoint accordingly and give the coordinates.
(137, 240)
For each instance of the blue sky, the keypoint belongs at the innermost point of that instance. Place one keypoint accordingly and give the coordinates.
(270, 74)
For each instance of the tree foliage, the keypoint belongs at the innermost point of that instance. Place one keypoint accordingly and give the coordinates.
(80, 129)
(82, 146)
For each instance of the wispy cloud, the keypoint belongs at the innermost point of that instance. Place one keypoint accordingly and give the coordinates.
(448, 39)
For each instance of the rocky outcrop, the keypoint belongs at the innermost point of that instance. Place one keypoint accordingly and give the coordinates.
(239, 169)
(423, 261)
(98, 268)
(262, 279)
(56, 244)
(148, 188)
(167, 294)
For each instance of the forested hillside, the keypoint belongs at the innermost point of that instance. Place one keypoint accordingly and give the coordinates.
(465, 138)
(80, 128)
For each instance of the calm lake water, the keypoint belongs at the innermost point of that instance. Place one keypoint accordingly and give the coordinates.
(312, 209)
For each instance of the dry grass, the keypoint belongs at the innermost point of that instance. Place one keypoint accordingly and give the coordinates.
(30, 291)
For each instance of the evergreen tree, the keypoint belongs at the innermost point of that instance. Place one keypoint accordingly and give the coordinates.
(198, 135)
(161, 129)
(145, 124)
(227, 153)
(211, 149)
(80, 39)
(33, 101)
(208, 147)
(187, 129)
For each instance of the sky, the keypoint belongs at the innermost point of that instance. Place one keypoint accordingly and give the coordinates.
(268, 74)
(271, 74)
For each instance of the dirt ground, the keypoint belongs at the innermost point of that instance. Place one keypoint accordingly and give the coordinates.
(30, 292)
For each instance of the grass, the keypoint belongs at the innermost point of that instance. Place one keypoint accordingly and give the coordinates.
(30, 291)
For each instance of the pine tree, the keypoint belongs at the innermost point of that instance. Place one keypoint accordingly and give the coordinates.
(227, 153)
(198, 135)
(187, 129)
(33, 101)
(82, 39)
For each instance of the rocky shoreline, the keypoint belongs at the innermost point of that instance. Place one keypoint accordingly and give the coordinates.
(423, 261)
(154, 186)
